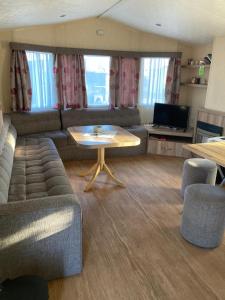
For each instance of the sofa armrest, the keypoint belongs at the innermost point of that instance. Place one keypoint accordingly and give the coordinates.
(38, 204)
(41, 237)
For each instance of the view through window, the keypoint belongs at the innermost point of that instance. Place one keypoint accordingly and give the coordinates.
(153, 80)
(97, 79)
(44, 94)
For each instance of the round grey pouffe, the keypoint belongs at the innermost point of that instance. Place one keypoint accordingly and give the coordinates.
(198, 170)
(203, 216)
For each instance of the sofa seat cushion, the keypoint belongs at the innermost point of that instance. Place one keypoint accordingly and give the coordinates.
(59, 137)
(37, 171)
(138, 130)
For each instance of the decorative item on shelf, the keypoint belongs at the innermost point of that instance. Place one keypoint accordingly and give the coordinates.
(195, 80)
(203, 81)
(196, 63)
(201, 71)
(190, 61)
(208, 59)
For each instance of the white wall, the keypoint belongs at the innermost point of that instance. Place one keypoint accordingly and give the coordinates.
(215, 97)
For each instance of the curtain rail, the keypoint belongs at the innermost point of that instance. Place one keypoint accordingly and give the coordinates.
(65, 50)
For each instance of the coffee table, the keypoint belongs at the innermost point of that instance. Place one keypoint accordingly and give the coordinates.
(110, 137)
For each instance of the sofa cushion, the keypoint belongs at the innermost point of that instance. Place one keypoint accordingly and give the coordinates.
(139, 131)
(6, 163)
(59, 137)
(120, 117)
(37, 171)
(36, 122)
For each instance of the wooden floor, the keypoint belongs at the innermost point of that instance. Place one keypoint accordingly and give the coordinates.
(132, 245)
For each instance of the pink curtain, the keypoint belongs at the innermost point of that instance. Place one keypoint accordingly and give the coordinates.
(173, 81)
(20, 84)
(124, 79)
(70, 81)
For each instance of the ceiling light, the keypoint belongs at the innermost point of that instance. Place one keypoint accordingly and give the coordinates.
(158, 24)
(62, 16)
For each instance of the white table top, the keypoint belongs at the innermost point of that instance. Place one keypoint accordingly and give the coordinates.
(112, 136)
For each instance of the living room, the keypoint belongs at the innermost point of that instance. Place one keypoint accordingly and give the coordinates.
(110, 186)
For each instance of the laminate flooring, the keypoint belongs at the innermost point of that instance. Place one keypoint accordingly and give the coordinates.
(132, 246)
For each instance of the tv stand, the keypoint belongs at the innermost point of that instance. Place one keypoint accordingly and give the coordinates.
(154, 125)
(168, 141)
(151, 125)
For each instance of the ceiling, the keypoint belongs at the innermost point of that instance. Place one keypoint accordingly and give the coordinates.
(195, 21)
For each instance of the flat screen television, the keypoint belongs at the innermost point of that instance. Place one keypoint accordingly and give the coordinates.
(171, 115)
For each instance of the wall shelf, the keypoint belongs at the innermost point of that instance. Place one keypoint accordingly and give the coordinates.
(187, 81)
(197, 85)
(194, 66)
(194, 85)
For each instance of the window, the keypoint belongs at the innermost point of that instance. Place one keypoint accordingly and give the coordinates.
(97, 80)
(44, 94)
(152, 80)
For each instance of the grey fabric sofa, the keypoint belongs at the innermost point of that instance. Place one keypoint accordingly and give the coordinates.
(54, 124)
(40, 217)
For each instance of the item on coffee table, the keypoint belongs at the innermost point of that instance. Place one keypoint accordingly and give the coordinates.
(193, 80)
(98, 129)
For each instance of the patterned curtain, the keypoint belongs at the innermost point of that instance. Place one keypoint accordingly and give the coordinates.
(20, 84)
(124, 79)
(70, 81)
(173, 81)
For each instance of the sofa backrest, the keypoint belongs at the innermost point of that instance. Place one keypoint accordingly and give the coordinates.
(125, 117)
(36, 122)
(7, 148)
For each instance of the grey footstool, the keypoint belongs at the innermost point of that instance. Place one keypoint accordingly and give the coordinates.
(203, 217)
(198, 170)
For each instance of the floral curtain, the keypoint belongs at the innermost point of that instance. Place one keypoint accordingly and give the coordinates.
(124, 79)
(173, 81)
(70, 81)
(20, 83)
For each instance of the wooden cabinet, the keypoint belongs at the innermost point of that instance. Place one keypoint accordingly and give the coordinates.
(168, 148)
(166, 141)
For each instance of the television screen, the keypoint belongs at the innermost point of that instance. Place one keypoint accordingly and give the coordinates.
(171, 115)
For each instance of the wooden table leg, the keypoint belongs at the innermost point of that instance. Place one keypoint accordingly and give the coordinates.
(97, 168)
(110, 174)
(89, 172)
(89, 185)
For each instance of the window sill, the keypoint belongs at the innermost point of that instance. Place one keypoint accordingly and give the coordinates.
(146, 106)
(43, 109)
(98, 107)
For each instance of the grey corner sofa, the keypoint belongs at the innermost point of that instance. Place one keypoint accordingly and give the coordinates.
(54, 124)
(40, 217)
